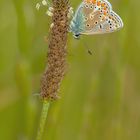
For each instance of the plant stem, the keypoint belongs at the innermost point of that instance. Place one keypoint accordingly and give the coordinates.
(56, 62)
(43, 117)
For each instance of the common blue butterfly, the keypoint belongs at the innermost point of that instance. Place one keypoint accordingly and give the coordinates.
(95, 17)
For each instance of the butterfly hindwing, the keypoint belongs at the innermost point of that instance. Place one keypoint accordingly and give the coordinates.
(102, 24)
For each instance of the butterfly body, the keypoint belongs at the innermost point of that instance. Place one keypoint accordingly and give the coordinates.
(95, 17)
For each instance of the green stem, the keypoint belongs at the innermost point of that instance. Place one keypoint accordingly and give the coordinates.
(43, 118)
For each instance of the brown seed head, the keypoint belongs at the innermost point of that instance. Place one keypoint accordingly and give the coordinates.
(51, 79)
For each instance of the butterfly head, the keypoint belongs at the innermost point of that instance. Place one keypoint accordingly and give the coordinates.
(76, 36)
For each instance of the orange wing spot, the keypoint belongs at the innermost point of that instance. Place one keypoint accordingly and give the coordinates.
(105, 13)
(102, 4)
(88, 1)
(98, 3)
(94, 1)
(105, 8)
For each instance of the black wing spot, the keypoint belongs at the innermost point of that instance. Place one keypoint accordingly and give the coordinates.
(86, 6)
(91, 16)
(91, 7)
(96, 22)
(88, 25)
(86, 18)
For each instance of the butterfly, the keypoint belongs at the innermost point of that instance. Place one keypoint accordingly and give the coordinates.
(95, 17)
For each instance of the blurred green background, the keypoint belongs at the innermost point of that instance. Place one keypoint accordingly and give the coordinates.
(100, 95)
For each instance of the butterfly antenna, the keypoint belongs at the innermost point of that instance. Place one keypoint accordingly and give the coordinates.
(87, 48)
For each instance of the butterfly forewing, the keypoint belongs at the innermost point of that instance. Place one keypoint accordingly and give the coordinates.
(77, 24)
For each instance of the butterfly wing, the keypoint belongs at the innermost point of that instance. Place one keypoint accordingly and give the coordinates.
(77, 24)
(99, 17)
